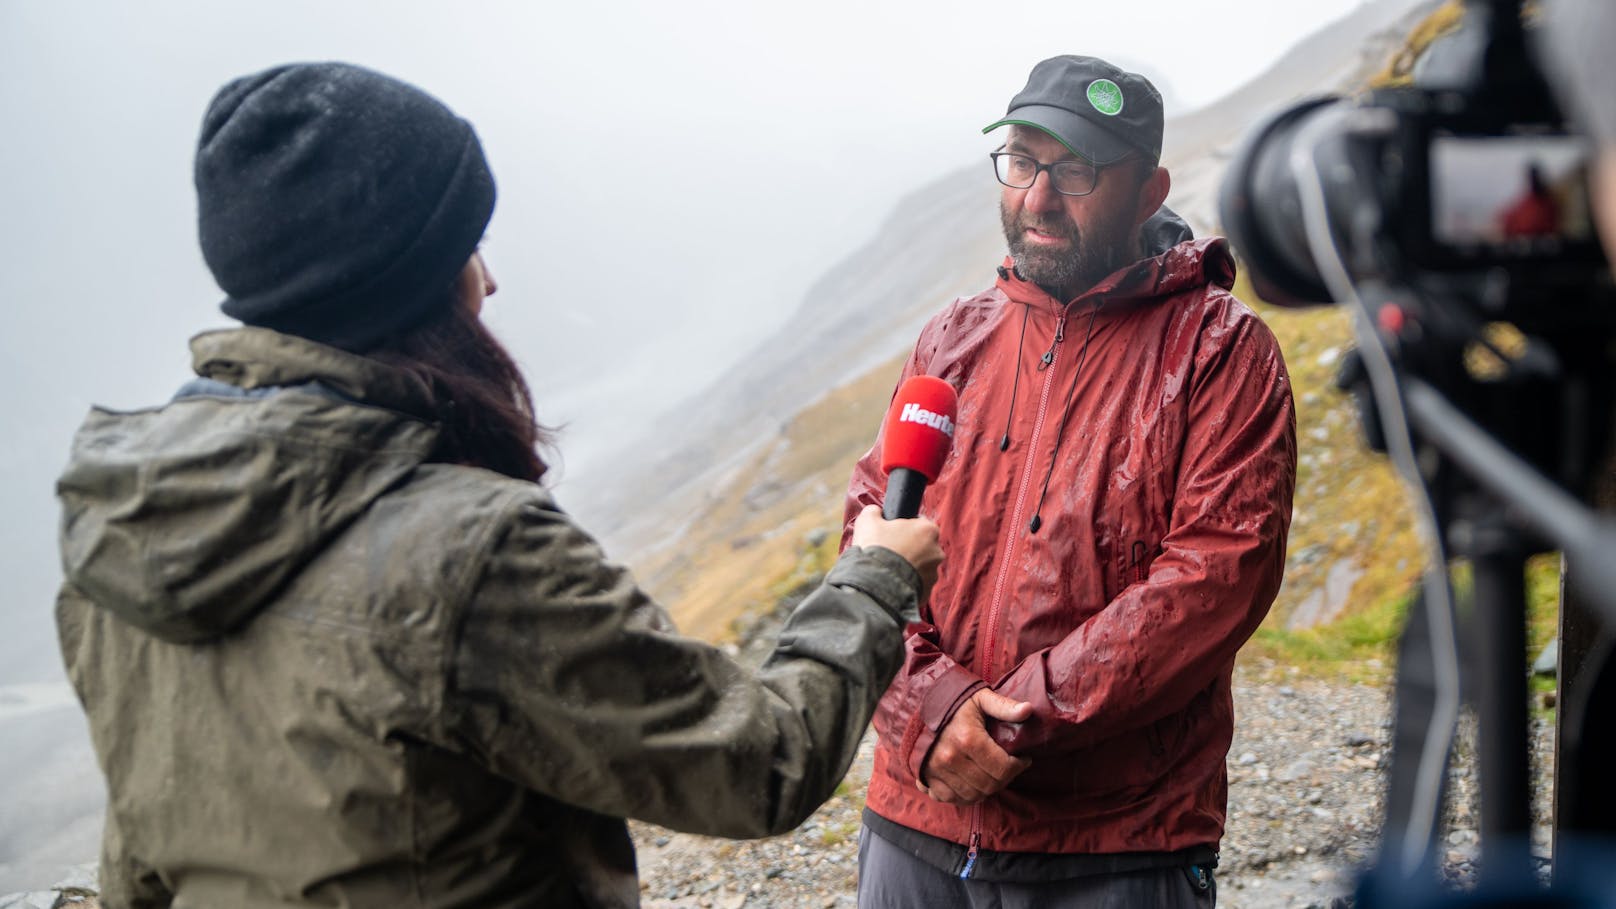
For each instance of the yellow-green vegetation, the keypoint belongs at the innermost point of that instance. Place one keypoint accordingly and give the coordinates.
(1542, 603)
(1399, 69)
(1542, 618)
(1350, 508)
(777, 528)
(1444, 20)
(776, 525)
(1360, 646)
(1542, 607)
(747, 545)
(750, 545)
(1349, 502)
(836, 834)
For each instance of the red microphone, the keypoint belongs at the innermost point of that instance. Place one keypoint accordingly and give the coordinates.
(919, 431)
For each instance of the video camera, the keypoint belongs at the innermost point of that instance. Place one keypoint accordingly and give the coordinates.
(1420, 180)
(1455, 220)
(1419, 185)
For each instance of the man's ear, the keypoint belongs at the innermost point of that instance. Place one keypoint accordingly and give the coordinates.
(1152, 193)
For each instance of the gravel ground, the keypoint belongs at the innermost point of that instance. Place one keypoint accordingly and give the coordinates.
(1306, 782)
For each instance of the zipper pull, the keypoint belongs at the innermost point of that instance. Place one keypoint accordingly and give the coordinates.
(1060, 335)
(970, 855)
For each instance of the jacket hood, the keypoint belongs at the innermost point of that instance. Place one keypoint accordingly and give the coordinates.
(1173, 261)
(185, 519)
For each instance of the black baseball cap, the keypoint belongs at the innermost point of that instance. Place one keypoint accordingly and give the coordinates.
(1099, 112)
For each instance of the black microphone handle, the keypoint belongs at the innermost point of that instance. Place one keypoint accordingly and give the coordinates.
(904, 489)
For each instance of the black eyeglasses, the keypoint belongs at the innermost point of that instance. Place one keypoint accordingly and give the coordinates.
(1070, 178)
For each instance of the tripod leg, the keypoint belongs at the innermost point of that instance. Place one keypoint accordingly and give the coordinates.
(1502, 749)
(1414, 801)
(1585, 739)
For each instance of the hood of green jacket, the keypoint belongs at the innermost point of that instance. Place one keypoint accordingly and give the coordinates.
(186, 519)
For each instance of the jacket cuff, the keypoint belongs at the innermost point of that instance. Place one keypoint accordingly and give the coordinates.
(942, 701)
(883, 576)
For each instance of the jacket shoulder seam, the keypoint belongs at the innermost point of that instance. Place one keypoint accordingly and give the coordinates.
(509, 505)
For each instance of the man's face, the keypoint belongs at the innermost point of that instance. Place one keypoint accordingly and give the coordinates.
(1065, 244)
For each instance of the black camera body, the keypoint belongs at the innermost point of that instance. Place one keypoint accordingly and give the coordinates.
(1446, 212)
(1472, 196)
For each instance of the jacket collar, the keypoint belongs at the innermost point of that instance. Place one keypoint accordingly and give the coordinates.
(1191, 264)
(251, 358)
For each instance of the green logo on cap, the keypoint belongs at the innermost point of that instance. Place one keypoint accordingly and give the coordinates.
(1106, 97)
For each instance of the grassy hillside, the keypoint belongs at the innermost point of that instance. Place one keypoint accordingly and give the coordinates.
(776, 523)
(1350, 518)
(1399, 69)
(778, 519)
(1353, 560)
(1362, 514)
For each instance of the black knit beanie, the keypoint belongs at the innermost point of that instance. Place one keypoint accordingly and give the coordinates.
(337, 203)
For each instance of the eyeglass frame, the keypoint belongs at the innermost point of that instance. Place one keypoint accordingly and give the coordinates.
(1039, 168)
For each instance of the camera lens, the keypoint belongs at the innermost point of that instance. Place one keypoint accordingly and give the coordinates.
(1260, 204)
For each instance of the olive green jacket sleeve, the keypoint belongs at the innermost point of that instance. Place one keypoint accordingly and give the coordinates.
(570, 680)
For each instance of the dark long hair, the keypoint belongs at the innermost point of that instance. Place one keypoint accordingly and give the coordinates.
(482, 403)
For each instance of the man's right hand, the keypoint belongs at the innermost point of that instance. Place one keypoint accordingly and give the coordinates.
(965, 765)
(913, 538)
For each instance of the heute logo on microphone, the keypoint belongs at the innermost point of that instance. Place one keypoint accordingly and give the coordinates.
(914, 413)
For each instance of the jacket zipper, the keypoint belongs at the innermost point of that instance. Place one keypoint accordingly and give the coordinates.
(989, 632)
(1049, 355)
(970, 854)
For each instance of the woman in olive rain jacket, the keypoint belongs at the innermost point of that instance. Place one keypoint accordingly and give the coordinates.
(336, 644)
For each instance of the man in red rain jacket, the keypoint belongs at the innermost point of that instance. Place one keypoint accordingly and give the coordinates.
(1115, 510)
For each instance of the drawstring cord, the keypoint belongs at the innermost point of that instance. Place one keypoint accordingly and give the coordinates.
(1066, 410)
(1004, 443)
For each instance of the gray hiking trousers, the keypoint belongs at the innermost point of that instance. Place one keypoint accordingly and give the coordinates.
(892, 878)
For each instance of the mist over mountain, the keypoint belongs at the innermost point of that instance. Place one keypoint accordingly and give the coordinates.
(942, 241)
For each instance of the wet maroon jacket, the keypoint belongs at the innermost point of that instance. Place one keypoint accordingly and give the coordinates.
(1157, 409)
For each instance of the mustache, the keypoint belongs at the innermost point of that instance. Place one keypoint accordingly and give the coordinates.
(1057, 226)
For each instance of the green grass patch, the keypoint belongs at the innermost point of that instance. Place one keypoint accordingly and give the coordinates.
(1362, 645)
(1350, 507)
(813, 562)
(1359, 647)
(1542, 603)
(837, 834)
(1542, 622)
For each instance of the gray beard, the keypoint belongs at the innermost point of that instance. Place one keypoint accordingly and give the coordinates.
(1066, 275)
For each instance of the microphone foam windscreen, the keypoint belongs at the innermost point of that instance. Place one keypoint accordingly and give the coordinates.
(919, 428)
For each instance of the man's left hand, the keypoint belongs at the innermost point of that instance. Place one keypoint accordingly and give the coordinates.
(965, 765)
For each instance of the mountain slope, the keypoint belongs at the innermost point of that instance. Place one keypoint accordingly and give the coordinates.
(746, 490)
